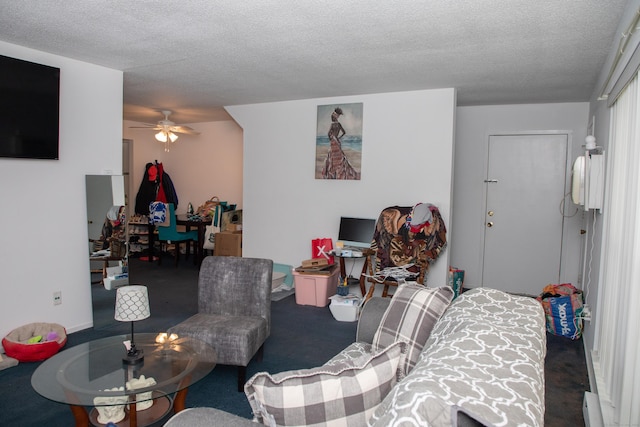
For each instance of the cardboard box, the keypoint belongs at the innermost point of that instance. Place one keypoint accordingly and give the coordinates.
(314, 289)
(231, 220)
(315, 262)
(228, 243)
(234, 227)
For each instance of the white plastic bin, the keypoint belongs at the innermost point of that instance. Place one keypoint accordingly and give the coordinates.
(345, 309)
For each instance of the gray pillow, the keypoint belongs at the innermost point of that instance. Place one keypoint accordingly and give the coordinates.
(347, 392)
(410, 317)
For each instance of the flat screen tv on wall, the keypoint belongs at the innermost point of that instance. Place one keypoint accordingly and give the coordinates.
(29, 109)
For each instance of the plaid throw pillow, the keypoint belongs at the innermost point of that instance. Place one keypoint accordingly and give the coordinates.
(342, 394)
(410, 317)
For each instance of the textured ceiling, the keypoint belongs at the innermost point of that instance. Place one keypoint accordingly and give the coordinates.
(194, 56)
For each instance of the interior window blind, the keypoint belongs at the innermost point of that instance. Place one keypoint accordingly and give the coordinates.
(617, 340)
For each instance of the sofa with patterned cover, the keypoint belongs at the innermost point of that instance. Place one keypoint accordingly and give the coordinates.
(419, 359)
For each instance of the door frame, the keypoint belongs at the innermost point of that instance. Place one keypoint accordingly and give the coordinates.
(567, 199)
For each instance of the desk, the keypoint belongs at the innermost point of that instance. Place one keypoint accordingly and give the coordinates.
(201, 226)
(366, 254)
(79, 374)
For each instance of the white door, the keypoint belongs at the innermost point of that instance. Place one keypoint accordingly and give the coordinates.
(523, 224)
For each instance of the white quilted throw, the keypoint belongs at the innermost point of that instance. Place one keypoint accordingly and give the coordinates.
(484, 357)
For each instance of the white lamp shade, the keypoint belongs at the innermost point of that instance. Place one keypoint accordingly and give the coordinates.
(132, 303)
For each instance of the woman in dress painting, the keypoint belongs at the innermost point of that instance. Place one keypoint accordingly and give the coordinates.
(336, 165)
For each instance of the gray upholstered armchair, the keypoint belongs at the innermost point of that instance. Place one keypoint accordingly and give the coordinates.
(234, 309)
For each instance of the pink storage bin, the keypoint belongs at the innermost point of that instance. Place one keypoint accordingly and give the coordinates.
(315, 289)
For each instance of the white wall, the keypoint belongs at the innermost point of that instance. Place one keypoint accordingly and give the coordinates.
(43, 244)
(473, 127)
(200, 166)
(407, 157)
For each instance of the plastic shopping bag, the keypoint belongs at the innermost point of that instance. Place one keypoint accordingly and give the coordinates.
(563, 305)
(321, 248)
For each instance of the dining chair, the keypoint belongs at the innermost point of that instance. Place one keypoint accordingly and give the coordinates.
(170, 234)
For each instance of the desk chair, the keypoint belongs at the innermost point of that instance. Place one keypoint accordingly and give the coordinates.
(170, 234)
(398, 242)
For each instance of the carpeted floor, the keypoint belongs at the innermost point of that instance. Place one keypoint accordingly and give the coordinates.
(301, 337)
(566, 380)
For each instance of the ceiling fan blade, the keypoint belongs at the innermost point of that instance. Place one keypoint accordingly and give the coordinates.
(184, 129)
(145, 126)
(167, 126)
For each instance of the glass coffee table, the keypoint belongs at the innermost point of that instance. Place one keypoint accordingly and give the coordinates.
(80, 374)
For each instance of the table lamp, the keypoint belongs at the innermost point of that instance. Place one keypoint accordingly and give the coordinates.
(132, 304)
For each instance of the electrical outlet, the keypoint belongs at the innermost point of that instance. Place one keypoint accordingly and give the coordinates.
(586, 313)
(57, 298)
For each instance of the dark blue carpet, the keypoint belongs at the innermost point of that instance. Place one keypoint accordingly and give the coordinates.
(301, 337)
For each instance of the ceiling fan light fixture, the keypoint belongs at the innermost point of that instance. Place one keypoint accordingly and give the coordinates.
(166, 137)
(161, 136)
(167, 130)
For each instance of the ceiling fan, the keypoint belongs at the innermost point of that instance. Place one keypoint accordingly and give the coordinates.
(167, 130)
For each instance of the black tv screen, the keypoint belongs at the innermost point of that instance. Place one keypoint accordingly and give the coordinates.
(29, 109)
(356, 232)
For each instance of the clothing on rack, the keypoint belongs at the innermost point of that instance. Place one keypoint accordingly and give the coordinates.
(155, 183)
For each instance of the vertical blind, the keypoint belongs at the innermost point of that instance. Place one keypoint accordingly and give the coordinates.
(616, 354)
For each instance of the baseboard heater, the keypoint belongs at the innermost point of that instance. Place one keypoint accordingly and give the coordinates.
(591, 410)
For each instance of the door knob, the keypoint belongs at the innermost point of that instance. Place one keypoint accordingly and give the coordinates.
(490, 213)
(490, 224)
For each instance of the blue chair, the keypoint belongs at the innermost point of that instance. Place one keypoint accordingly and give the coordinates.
(170, 234)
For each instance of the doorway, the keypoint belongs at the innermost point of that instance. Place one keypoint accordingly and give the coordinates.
(523, 223)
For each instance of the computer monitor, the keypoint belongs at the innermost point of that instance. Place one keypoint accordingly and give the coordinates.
(356, 232)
